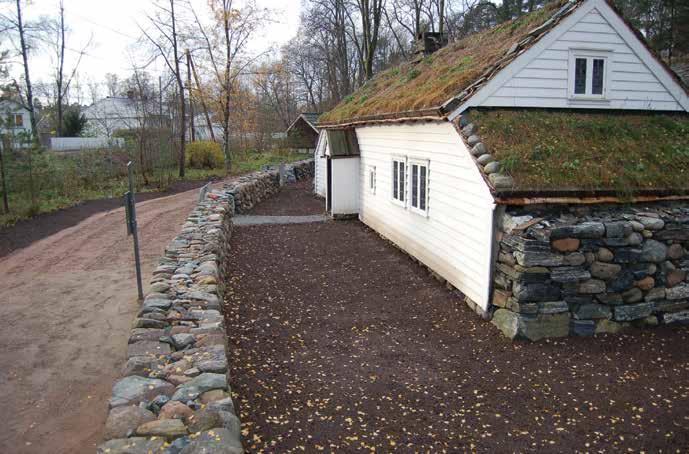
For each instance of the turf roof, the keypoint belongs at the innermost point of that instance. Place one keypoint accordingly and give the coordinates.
(427, 84)
(625, 153)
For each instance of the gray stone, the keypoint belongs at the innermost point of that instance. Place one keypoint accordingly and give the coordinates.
(485, 159)
(553, 307)
(536, 292)
(585, 230)
(653, 251)
(140, 334)
(635, 239)
(608, 326)
(592, 286)
(217, 366)
(627, 255)
(637, 226)
(168, 428)
(199, 385)
(141, 365)
(215, 441)
(147, 348)
(633, 295)
(531, 327)
(203, 296)
(592, 311)
(149, 323)
(537, 258)
(629, 312)
(605, 255)
(136, 445)
(160, 287)
(122, 421)
(677, 293)
(575, 259)
(183, 340)
(479, 149)
(582, 328)
(222, 404)
(134, 389)
(605, 271)
(473, 140)
(611, 299)
(501, 181)
(619, 229)
(469, 130)
(651, 223)
(569, 274)
(674, 233)
(622, 282)
(676, 317)
(209, 419)
(670, 306)
(655, 294)
(156, 303)
(522, 308)
(492, 167)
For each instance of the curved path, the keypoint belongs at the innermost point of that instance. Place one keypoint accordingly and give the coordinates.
(66, 303)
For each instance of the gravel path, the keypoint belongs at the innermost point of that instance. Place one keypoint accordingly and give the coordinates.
(340, 342)
(264, 220)
(66, 305)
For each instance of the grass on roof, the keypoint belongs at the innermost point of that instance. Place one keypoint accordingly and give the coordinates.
(440, 76)
(622, 152)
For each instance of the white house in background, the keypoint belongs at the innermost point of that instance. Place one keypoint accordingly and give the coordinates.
(392, 154)
(112, 114)
(15, 122)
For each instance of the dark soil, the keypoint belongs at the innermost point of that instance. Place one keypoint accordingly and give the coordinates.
(340, 342)
(293, 200)
(26, 231)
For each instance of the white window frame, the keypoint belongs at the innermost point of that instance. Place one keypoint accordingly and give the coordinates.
(421, 163)
(403, 189)
(589, 55)
(372, 179)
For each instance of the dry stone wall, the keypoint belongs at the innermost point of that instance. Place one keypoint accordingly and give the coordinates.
(585, 270)
(174, 395)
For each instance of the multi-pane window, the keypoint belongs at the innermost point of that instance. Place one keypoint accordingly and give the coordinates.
(418, 184)
(587, 75)
(398, 179)
(19, 120)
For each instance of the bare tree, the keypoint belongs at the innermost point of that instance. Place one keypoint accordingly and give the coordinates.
(167, 45)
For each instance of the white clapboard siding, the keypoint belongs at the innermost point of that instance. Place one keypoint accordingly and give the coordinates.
(455, 238)
(540, 76)
(320, 163)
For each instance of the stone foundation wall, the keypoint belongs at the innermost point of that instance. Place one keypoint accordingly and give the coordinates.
(583, 270)
(174, 395)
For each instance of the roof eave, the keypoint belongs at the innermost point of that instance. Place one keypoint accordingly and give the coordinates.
(586, 196)
(430, 114)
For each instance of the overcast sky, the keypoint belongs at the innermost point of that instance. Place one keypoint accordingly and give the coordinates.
(114, 26)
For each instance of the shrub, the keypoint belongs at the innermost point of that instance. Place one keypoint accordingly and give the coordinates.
(204, 154)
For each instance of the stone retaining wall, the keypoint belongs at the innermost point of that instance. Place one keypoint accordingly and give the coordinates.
(585, 270)
(174, 396)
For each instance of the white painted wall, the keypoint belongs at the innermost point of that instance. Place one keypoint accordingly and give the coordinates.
(455, 239)
(541, 78)
(84, 143)
(321, 165)
(345, 190)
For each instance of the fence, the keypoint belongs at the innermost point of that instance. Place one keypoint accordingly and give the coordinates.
(84, 143)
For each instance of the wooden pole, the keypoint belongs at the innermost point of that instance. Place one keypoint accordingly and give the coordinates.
(5, 201)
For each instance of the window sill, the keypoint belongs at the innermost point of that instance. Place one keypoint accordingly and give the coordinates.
(582, 100)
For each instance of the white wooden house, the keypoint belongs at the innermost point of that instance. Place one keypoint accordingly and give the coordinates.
(15, 123)
(413, 177)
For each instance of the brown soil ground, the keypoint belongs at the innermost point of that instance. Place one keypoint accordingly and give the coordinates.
(66, 305)
(341, 342)
(293, 200)
(27, 231)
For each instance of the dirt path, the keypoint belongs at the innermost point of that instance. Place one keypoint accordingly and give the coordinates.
(340, 343)
(66, 303)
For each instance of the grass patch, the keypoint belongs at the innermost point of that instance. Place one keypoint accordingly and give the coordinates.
(62, 181)
(439, 77)
(546, 150)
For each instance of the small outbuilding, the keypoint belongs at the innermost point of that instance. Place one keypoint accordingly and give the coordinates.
(15, 123)
(302, 134)
(540, 167)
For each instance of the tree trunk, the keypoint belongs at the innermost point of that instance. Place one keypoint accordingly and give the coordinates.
(180, 86)
(5, 200)
(192, 132)
(60, 72)
(203, 101)
(25, 59)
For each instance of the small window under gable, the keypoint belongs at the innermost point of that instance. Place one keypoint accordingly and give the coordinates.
(19, 120)
(588, 74)
(372, 179)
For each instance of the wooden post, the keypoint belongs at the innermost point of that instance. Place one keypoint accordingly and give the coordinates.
(5, 201)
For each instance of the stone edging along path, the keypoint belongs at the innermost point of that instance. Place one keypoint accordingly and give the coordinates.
(174, 396)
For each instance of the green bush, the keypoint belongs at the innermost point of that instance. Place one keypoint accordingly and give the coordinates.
(204, 154)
